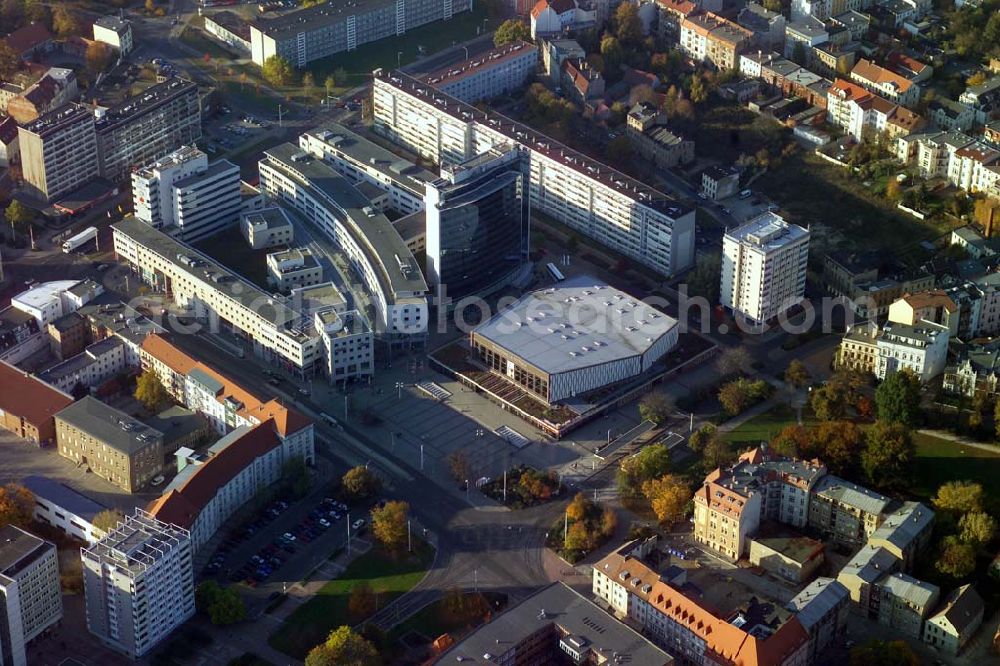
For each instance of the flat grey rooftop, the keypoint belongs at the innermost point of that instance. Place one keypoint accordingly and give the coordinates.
(268, 218)
(372, 155)
(315, 17)
(214, 169)
(767, 232)
(15, 545)
(578, 620)
(578, 323)
(208, 271)
(387, 253)
(109, 425)
(85, 358)
(63, 496)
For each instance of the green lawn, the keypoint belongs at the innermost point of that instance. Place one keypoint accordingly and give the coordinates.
(433, 38)
(763, 427)
(940, 460)
(390, 577)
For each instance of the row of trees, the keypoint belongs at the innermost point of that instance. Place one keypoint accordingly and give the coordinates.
(968, 528)
(587, 526)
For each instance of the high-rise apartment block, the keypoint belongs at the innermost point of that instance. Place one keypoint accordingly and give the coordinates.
(496, 72)
(58, 151)
(477, 224)
(764, 268)
(322, 30)
(591, 198)
(185, 196)
(139, 583)
(30, 596)
(65, 148)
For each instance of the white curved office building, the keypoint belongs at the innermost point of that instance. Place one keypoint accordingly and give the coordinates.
(376, 250)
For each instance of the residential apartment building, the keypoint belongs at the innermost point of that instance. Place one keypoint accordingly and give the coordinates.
(20, 336)
(615, 210)
(229, 28)
(367, 164)
(109, 443)
(861, 113)
(58, 152)
(650, 138)
(718, 183)
(349, 344)
(905, 602)
(885, 83)
(767, 27)
(764, 266)
(30, 594)
(147, 126)
(289, 269)
(950, 115)
(733, 501)
(378, 253)
(923, 349)
(28, 405)
(905, 532)
(983, 99)
(56, 88)
(95, 365)
(268, 227)
(489, 74)
(322, 30)
(713, 39)
(794, 559)
(822, 608)
(846, 512)
(693, 633)
(862, 575)
(552, 18)
(139, 584)
(554, 52)
(931, 152)
(976, 372)
(935, 306)
(950, 628)
(184, 196)
(858, 348)
(116, 32)
(204, 288)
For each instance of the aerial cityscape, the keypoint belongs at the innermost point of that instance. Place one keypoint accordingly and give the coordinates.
(510, 332)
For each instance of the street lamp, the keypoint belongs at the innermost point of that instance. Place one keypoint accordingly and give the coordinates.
(466, 49)
(399, 58)
(399, 390)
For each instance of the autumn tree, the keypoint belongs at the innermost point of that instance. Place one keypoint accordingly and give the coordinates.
(10, 60)
(773, 6)
(897, 399)
(888, 457)
(309, 83)
(796, 374)
(668, 496)
(656, 407)
(361, 604)
(959, 497)
(733, 361)
(893, 190)
(838, 444)
(977, 528)
(956, 559)
(736, 396)
(578, 508)
(343, 647)
(700, 438)
(107, 520)
(628, 26)
(64, 22)
(98, 57)
(149, 390)
(17, 505)
(699, 89)
(389, 524)
(612, 53)
(360, 482)
(511, 30)
(650, 462)
(278, 71)
(717, 453)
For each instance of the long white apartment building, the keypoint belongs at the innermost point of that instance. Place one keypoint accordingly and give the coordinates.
(390, 274)
(764, 267)
(185, 196)
(614, 209)
(495, 72)
(363, 162)
(139, 584)
(209, 292)
(30, 595)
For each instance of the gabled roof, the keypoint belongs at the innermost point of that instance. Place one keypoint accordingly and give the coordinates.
(558, 6)
(181, 506)
(869, 71)
(963, 610)
(24, 395)
(28, 37)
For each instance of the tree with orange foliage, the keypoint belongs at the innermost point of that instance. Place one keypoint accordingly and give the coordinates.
(17, 505)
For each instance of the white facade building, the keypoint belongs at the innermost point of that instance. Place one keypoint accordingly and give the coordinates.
(268, 227)
(764, 267)
(30, 595)
(139, 584)
(49, 301)
(92, 367)
(60, 506)
(362, 161)
(922, 348)
(185, 196)
(593, 199)
(289, 269)
(489, 74)
(386, 266)
(349, 343)
(115, 32)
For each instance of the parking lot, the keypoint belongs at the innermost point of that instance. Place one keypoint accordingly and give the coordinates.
(231, 131)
